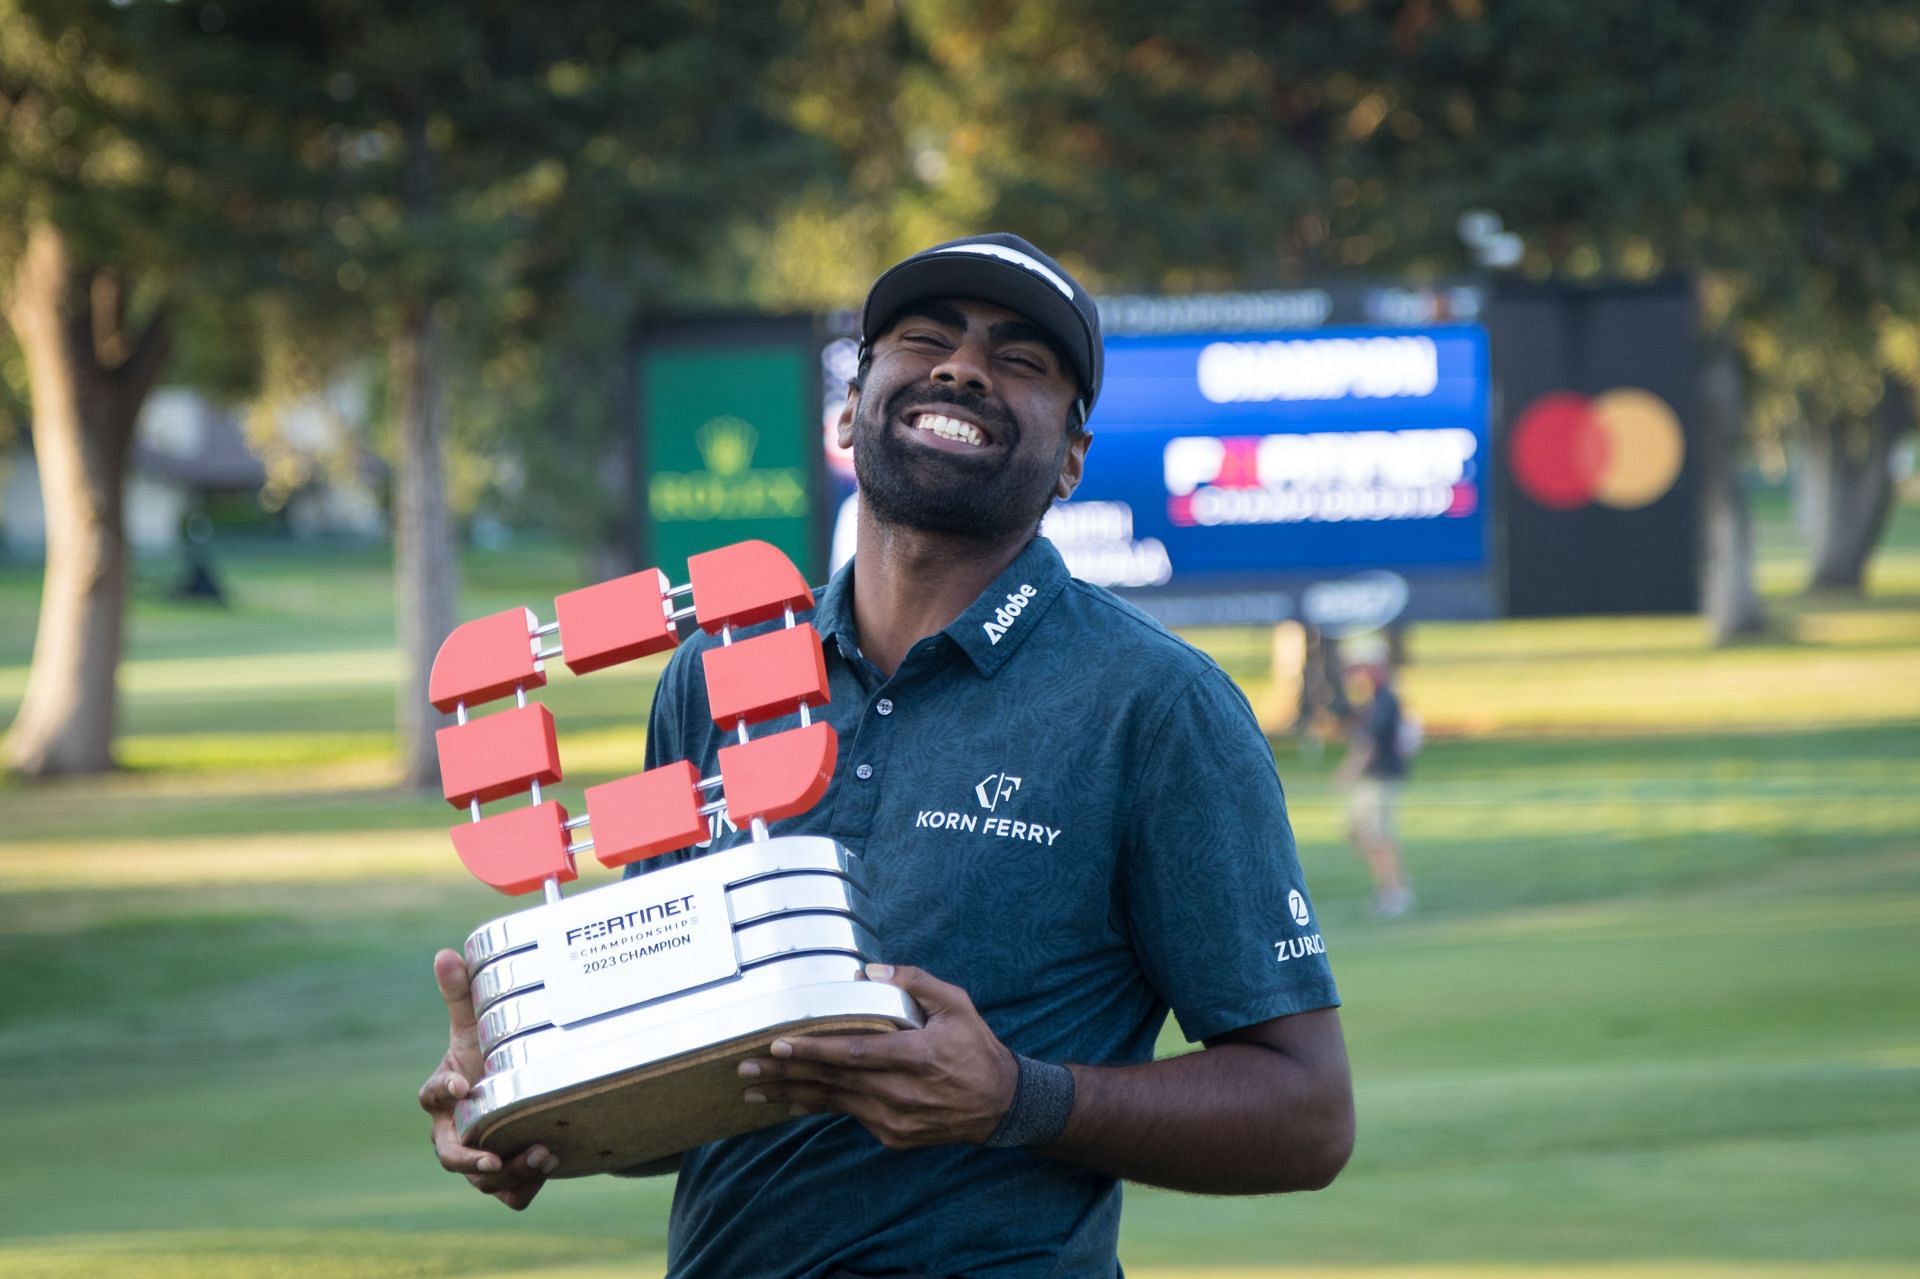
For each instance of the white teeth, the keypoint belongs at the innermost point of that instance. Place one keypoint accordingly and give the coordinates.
(950, 428)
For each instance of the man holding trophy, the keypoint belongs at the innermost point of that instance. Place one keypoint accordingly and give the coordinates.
(1070, 826)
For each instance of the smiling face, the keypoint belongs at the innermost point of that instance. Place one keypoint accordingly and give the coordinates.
(961, 424)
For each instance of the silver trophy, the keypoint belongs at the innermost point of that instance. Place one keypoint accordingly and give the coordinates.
(613, 1020)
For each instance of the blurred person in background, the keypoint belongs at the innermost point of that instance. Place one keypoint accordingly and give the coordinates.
(1383, 740)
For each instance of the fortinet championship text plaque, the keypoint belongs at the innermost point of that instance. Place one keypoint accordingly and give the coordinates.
(664, 934)
(613, 1020)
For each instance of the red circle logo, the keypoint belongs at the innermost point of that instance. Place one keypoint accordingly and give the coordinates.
(1622, 449)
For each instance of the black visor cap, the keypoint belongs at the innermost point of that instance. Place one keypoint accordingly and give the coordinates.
(1003, 269)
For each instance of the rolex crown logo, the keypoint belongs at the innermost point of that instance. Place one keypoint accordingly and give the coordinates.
(726, 444)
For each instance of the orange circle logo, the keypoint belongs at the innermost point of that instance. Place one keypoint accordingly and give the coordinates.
(1622, 449)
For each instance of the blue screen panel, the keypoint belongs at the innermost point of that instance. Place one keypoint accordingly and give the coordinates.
(1221, 462)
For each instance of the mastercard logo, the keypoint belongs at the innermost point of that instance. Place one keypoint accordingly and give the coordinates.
(1622, 449)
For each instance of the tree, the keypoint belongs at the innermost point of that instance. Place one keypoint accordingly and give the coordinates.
(477, 162)
(1731, 602)
(1768, 150)
(418, 179)
(92, 370)
(85, 278)
(1819, 215)
(1153, 146)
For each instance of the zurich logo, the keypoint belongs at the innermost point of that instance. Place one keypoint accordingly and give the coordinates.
(1297, 907)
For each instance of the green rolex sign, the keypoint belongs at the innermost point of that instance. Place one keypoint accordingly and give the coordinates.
(728, 427)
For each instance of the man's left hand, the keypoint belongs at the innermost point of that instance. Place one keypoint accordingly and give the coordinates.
(948, 1083)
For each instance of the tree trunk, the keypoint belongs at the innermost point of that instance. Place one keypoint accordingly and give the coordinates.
(88, 380)
(1851, 489)
(426, 569)
(1733, 606)
(620, 546)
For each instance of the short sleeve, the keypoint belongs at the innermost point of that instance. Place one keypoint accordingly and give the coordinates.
(1215, 902)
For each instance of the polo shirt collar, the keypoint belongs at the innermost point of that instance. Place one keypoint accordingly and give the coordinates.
(1009, 610)
(833, 612)
(991, 628)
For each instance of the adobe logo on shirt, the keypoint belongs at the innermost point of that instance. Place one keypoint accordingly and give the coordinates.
(1009, 613)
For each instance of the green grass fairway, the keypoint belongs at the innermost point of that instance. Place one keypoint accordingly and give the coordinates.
(1658, 1014)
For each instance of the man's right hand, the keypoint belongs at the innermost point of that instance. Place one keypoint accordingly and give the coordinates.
(514, 1182)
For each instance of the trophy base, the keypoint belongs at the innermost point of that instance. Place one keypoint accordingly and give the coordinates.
(615, 1051)
(647, 1114)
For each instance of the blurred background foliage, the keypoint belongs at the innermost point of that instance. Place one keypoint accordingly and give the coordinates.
(547, 179)
(473, 206)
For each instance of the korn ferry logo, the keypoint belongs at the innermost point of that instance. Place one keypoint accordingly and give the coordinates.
(1008, 613)
(996, 787)
(990, 791)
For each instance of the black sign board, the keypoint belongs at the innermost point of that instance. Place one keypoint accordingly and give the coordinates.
(1594, 431)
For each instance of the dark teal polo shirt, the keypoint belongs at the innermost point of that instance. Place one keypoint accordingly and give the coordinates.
(1070, 813)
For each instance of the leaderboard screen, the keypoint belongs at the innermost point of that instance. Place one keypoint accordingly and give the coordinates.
(1262, 460)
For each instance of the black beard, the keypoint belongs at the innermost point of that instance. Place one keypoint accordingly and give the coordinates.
(984, 499)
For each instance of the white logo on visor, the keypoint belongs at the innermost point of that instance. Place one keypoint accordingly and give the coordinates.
(1019, 259)
(1297, 907)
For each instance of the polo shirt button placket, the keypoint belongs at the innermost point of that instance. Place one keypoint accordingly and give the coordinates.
(863, 772)
(884, 706)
